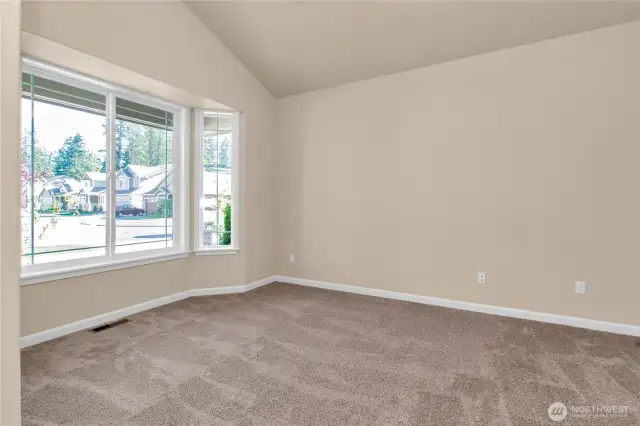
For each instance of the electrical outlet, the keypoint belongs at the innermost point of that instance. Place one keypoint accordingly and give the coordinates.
(292, 258)
(482, 278)
(580, 287)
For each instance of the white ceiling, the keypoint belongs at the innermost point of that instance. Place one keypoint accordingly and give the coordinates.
(294, 47)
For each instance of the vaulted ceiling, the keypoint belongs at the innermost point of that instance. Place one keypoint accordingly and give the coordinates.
(294, 47)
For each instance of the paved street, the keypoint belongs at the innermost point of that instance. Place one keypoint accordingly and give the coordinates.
(76, 232)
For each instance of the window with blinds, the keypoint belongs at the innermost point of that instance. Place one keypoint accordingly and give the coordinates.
(102, 172)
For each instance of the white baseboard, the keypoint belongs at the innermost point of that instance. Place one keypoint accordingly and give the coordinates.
(63, 330)
(611, 327)
(54, 333)
(211, 291)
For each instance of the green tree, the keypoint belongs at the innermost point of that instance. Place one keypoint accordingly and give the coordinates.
(225, 237)
(123, 135)
(150, 147)
(223, 155)
(74, 160)
(210, 154)
(216, 156)
(122, 132)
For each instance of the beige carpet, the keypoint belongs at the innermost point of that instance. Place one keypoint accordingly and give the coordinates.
(291, 355)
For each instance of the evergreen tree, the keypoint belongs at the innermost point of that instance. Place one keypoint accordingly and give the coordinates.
(123, 136)
(216, 156)
(151, 147)
(74, 160)
(223, 155)
(210, 154)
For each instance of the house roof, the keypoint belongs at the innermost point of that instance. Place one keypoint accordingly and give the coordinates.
(149, 185)
(95, 176)
(134, 170)
(55, 181)
(93, 191)
(67, 188)
(153, 181)
(70, 185)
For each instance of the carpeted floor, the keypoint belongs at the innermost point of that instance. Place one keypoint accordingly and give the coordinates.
(291, 355)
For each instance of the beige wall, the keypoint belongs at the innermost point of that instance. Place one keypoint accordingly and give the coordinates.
(166, 42)
(9, 215)
(523, 163)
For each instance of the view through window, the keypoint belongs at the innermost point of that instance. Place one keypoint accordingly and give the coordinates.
(216, 190)
(63, 183)
(67, 210)
(144, 166)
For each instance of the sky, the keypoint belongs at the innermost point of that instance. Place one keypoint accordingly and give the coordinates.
(53, 124)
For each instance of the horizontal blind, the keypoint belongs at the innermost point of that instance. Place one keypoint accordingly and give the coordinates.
(61, 94)
(55, 93)
(143, 114)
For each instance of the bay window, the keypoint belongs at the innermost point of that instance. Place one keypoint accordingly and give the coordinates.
(216, 165)
(103, 174)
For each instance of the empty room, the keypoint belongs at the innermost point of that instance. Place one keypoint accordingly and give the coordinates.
(319, 213)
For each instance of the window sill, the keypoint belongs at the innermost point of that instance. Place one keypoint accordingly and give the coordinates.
(62, 273)
(215, 252)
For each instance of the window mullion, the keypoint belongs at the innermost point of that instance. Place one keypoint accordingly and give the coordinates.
(199, 227)
(111, 174)
(235, 181)
(31, 206)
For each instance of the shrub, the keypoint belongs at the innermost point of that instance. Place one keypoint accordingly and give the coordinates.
(225, 237)
(164, 206)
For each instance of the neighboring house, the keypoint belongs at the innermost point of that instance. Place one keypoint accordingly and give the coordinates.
(132, 176)
(93, 195)
(144, 186)
(139, 186)
(61, 189)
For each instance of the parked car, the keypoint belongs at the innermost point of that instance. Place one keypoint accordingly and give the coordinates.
(128, 209)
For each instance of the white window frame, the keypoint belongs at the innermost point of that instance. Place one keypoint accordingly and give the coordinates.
(31, 274)
(198, 242)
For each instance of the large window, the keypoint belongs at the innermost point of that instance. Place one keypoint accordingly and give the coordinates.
(216, 182)
(103, 174)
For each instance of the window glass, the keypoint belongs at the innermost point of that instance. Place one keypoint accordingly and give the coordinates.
(74, 131)
(63, 148)
(216, 197)
(144, 159)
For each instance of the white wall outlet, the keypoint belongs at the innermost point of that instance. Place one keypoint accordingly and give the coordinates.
(292, 258)
(482, 278)
(580, 287)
